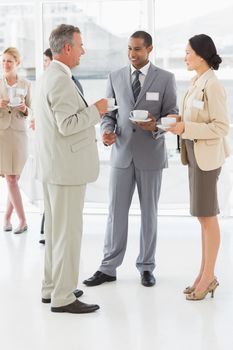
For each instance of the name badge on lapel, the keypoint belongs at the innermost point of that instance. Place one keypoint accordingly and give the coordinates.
(198, 104)
(152, 96)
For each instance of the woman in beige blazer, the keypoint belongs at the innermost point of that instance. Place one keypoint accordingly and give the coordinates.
(203, 125)
(14, 107)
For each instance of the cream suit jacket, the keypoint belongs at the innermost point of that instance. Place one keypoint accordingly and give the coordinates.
(209, 124)
(66, 141)
(11, 117)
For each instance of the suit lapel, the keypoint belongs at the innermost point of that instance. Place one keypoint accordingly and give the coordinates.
(194, 111)
(149, 79)
(80, 93)
(79, 85)
(182, 105)
(3, 89)
(59, 66)
(128, 81)
(77, 82)
(200, 94)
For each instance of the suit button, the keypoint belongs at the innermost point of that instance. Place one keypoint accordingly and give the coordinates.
(9, 112)
(134, 130)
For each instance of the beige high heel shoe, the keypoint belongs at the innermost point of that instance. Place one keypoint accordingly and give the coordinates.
(188, 290)
(210, 289)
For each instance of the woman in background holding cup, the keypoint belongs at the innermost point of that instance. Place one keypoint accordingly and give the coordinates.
(203, 125)
(15, 101)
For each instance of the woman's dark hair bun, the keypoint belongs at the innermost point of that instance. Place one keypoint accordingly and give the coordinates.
(215, 61)
(204, 46)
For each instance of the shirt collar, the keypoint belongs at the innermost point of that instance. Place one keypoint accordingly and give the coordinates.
(200, 80)
(143, 70)
(10, 86)
(64, 66)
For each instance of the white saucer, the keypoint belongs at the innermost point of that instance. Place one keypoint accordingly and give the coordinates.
(162, 127)
(140, 120)
(13, 105)
(111, 109)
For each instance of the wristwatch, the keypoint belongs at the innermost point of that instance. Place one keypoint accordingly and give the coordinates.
(154, 132)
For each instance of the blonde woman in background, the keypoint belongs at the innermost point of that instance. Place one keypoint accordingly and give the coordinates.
(203, 126)
(15, 102)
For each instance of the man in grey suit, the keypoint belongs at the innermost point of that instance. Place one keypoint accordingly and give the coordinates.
(138, 156)
(68, 160)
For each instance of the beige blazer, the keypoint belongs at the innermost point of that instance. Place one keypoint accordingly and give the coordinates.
(11, 117)
(209, 124)
(66, 141)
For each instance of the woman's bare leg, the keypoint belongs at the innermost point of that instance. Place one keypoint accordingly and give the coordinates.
(9, 211)
(211, 237)
(15, 198)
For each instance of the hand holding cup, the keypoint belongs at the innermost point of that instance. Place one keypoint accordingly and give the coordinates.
(178, 127)
(168, 121)
(4, 103)
(178, 117)
(15, 101)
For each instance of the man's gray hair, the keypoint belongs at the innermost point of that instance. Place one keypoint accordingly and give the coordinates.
(62, 35)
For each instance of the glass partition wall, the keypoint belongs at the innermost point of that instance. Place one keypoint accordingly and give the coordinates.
(106, 26)
(17, 29)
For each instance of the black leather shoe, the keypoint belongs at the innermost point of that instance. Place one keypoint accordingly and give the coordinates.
(98, 278)
(77, 307)
(147, 279)
(77, 293)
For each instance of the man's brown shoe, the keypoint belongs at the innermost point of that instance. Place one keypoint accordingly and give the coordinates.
(77, 307)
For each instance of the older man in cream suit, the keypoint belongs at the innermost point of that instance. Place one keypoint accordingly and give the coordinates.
(68, 160)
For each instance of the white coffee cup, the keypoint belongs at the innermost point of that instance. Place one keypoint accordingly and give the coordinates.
(111, 102)
(15, 101)
(167, 121)
(139, 114)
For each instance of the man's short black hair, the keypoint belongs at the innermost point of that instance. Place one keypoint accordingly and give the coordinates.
(143, 35)
(48, 53)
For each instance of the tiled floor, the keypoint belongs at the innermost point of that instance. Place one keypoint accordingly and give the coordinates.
(131, 316)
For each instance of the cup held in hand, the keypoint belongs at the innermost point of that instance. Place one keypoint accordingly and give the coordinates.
(15, 101)
(167, 121)
(139, 114)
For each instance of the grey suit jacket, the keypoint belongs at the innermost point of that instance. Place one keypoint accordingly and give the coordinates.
(132, 142)
(65, 130)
